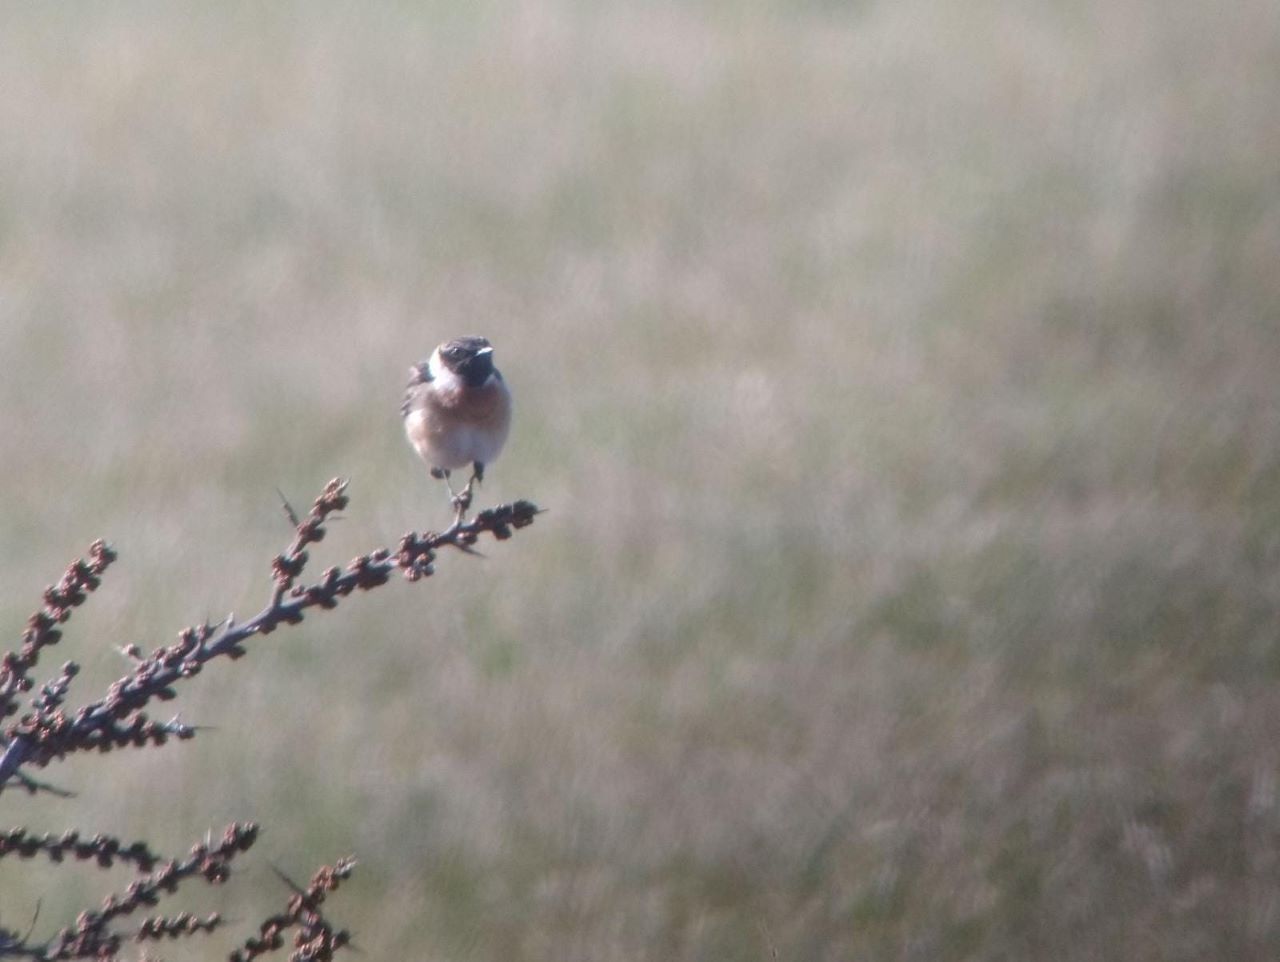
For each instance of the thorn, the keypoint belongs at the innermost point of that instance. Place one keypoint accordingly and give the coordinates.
(33, 786)
(294, 886)
(467, 549)
(288, 509)
(35, 917)
(352, 947)
(176, 723)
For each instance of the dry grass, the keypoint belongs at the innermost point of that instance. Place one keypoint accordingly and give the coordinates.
(901, 381)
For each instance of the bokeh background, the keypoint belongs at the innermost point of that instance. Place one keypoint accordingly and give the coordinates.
(902, 383)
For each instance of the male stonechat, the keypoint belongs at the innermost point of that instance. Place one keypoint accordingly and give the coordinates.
(457, 411)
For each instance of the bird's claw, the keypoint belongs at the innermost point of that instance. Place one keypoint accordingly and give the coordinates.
(461, 502)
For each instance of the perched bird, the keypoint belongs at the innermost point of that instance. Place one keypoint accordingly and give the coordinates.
(457, 411)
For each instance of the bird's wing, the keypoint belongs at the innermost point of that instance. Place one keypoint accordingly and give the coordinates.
(419, 375)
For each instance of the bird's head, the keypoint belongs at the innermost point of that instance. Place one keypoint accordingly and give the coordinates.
(470, 358)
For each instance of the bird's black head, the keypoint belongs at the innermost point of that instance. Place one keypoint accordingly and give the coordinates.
(471, 358)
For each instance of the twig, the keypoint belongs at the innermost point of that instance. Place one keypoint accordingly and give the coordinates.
(316, 940)
(82, 577)
(92, 935)
(48, 732)
(117, 720)
(105, 850)
(34, 786)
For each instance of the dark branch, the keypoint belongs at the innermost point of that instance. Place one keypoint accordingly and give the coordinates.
(117, 721)
(105, 850)
(316, 940)
(82, 577)
(93, 935)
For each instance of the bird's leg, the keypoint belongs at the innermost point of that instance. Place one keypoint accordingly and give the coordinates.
(462, 500)
(442, 474)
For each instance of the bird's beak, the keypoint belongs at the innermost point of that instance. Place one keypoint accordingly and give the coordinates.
(483, 351)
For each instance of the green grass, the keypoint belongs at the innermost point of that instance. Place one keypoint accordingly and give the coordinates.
(901, 381)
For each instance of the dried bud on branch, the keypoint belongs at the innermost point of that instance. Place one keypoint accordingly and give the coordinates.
(176, 927)
(82, 577)
(105, 850)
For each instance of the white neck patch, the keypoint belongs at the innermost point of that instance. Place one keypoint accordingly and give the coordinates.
(445, 379)
(440, 375)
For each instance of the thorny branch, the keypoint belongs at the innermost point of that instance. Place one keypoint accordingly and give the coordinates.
(105, 850)
(315, 940)
(93, 937)
(80, 579)
(48, 733)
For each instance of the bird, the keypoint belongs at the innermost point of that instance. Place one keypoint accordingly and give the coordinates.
(457, 412)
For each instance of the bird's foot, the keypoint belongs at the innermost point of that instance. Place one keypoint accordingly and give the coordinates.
(462, 502)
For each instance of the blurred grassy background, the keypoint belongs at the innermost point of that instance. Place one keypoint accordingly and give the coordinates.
(902, 381)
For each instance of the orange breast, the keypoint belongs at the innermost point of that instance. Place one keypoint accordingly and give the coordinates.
(483, 407)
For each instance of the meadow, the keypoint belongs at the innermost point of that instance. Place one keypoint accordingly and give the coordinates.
(901, 383)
